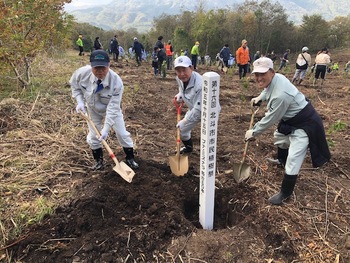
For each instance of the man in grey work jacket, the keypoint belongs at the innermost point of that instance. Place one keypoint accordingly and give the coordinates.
(190, 92)
(102, 90)
(300, 126)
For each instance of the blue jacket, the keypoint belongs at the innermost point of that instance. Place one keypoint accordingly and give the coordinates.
(225, 53)
(137, 47)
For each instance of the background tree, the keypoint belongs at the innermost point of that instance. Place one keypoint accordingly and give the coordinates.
(339, 30)
(28, 28)
(315, 31)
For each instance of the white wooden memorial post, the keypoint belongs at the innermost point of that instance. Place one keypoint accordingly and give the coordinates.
(209, 123)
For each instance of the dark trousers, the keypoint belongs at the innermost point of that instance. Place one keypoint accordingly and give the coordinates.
(116, 55)
(81, 50)
(169, 61)
(320, 70)
(138, 59)
(242, 70)
(194, 61)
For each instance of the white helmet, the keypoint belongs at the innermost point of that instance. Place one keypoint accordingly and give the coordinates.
(135, 38)
(304, 49)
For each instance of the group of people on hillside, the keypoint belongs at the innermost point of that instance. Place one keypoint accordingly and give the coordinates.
(98, 90)
(164, 54)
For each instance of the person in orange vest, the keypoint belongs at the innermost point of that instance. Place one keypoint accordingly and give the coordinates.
(243, 59)
(169, 55)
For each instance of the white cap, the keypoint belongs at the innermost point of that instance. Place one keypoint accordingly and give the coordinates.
(135, 38)
(183, 61)
(262, 65)
(304, 49)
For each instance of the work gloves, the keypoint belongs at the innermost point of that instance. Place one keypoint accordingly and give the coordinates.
(181, 124)
(103, 136)
(248, 135)
(80, 107)
(255, 101)
(178, 98)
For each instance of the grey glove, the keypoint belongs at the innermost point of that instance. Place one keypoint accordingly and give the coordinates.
(103, 136)
(181, 124)
(80, 107)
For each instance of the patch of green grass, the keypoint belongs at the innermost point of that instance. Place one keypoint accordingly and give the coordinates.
(337, 127)
(30, 213)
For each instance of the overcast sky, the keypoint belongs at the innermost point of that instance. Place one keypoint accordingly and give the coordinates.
(85, 3)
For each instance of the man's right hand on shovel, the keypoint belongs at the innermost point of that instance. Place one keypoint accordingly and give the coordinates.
(255, 101)
(249, 135)
(178, 98)
(103, 136)
(80, 107)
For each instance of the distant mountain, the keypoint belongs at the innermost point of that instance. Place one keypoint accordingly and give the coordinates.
(122, 15)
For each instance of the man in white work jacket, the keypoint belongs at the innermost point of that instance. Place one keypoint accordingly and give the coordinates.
(100, 89)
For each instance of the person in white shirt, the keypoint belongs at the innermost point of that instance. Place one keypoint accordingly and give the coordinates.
(302, 64)
(322, 60)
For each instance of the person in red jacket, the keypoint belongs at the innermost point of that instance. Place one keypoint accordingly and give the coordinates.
(243, 59)
(169, 55)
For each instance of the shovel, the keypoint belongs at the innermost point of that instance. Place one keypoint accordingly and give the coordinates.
(178, 163)
(120, 168)
(241, 171)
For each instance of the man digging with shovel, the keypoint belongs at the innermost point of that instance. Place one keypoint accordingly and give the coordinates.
(102, 90)
(190, 92)
(300, 126)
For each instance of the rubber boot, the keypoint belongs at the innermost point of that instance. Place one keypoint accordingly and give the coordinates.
(282, 155)
(314, 83)
(188, 146)
(293, 80)
(287, 188)
(130, 158)
(98, 156)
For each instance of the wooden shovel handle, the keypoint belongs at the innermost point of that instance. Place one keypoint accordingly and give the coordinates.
(178, 108)
(109, 150)
(254, 111)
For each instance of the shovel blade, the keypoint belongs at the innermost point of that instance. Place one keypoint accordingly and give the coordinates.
(241, 172)
(179, 165)
(124, 171)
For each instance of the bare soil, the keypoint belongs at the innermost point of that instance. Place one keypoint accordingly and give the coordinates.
(156, 217)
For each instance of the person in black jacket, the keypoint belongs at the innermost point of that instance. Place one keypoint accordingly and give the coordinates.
(225, 54)
(97, 43)
(138, 49)
(115, 48)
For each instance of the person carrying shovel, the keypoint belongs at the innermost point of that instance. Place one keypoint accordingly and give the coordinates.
(300, 126)
(102, 90)
(190, 92)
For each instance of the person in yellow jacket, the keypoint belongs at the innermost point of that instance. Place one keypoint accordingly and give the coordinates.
(243, 59)
(195, 54)
(80, 44)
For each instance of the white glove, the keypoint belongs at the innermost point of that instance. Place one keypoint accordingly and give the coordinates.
(249, 135)
(255, 101)
(181, 124)
(80, 107)
(103, 136)
(178, 98)
(287, 61)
